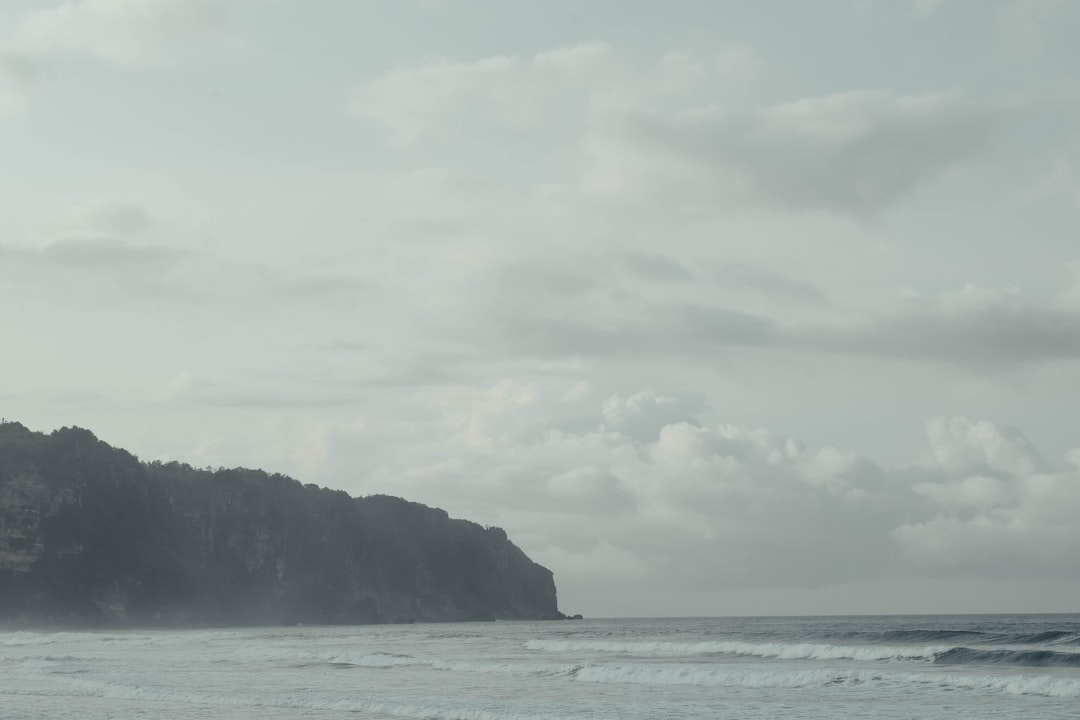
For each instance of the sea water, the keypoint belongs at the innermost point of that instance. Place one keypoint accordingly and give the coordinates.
(1021, 666)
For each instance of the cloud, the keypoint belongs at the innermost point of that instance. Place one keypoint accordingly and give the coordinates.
(690, 128)
(648, 305)
(97, 219)
(979, 329)
(96, 237)
(855, 152)
(643, 414)
(927, 7)
(18, 73)
(125, 245)
(973, 328)
(351, 366)
(767, 283)
(434, 95)
(317, 287)
(93, 251)
(98, 252)
(1024, 23)
(127, 32)
(996, 507)
(961, 445)
(693, 506)
(654, 267)
(616, 304)
(634, 327)
(188, 389)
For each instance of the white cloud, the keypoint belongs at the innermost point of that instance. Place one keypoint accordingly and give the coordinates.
(127, 32)
(105, 236)
(691, 126)
(643, 414)
(435, 95)
(996, 506)
(697, 507)
(959, 444)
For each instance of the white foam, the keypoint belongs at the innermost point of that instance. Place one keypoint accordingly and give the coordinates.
(783, 651)
(28, 638)
(674, 674)
(383, 660)
(742, 676)
(96, 688)
(22, 638)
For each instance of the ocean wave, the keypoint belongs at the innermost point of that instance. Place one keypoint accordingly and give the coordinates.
(374, 660)
(77, 687)
(1045, 637)
(722, 675)
(643, 674)
(1029, 658)
(28, 638)
(387, 660)
(14, 665)
(22, 637)
(782, 651)
(924, 636)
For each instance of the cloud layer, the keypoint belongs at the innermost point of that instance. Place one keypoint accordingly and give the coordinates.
(559, 278)
(647, 495)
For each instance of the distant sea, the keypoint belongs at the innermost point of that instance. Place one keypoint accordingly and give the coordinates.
(979, 667)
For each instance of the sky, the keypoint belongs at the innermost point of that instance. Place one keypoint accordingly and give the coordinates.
(718, 308)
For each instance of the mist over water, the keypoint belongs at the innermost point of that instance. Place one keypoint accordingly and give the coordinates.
(867, 667)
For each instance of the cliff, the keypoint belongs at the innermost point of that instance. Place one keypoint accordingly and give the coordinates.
(89, 535)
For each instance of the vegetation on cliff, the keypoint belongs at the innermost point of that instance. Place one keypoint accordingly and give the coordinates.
(89, 535)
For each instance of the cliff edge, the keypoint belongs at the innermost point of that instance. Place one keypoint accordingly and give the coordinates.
(91, 536)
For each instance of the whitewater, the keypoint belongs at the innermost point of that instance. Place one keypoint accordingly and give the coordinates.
(1019, 666)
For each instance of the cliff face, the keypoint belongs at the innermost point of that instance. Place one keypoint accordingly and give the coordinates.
(91, 536)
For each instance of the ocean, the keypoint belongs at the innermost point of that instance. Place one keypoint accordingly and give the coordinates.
(1015, 666)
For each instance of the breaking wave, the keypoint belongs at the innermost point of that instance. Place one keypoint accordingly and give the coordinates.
(638, 674)
(388, 660)
(673, 674)
(21, 638)
(1028, 658)
(1046, 637)
(939, 654)
(782, 651)
(95, 688)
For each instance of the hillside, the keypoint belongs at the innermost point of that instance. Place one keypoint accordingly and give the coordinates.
(90, 536)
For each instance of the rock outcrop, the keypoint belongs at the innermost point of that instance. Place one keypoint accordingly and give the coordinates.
(89, 535)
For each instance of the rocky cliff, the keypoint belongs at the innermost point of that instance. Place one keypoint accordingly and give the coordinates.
(89, 535)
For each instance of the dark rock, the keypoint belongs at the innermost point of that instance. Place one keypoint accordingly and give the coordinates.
(91, 536)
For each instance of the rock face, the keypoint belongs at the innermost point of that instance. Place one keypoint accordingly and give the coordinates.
(91, 536)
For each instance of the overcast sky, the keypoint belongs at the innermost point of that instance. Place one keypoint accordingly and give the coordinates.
(717, 307)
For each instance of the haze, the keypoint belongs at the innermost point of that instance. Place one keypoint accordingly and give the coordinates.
(717, 308)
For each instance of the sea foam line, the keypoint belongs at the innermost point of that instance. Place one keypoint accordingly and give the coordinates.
(662, 674)
(384, 660)
(723, 675)
(783, 651)
(96, 688)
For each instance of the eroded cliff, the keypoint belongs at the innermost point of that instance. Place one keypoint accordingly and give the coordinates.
(89, 535)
